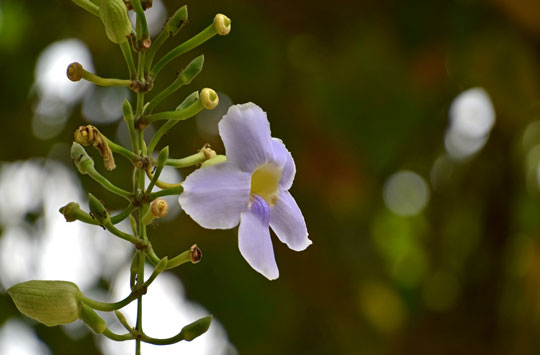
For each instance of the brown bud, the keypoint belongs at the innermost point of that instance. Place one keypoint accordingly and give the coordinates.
(195, 254)
(208, 152)
(75, 71)
(87, 135)
(159, 208)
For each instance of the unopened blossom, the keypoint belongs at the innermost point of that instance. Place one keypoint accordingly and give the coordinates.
(250, 188)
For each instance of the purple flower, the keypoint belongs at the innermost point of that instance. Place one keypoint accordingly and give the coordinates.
(250, 188)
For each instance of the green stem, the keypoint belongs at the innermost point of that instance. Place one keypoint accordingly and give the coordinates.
(189, 112)
(94, 174)
(123, 151)
(187, 161)
(142, 26)
(168, 341)
(177, 84)
(151, 53)
(109, 307)
(98, 80)
(123, 215)
(167, 192)
(185, 47)
(126, 51)
(160, 132)
(128, 237)
(117, 337)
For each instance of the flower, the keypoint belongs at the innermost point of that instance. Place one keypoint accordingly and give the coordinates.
(250, 188)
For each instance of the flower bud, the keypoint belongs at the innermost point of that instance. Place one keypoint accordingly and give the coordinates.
(75, 71)
(161, 265)
(192, 69)
(113, 14)
(70, 211)
(222, 24)
(213, 161)
(80, 158)
(195, 254)
(163, 156)
(159, 208)
(91, 318)
(199, 327)
(97, 209)
(209, 98)
(188, 101)
(49, 302)
(176, 21)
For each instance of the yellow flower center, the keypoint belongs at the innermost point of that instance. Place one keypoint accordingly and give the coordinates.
(265, 182)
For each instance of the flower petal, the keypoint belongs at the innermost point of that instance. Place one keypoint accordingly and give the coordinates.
(284, 160)
(254, 238)
(215, 196)
(245, 132)
(288, 222)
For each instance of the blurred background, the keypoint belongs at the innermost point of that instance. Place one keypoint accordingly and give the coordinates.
(415, 127)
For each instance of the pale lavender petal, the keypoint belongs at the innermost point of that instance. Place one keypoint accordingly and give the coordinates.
(288, 223)
(245, 132)
(215, 196)
(284, 160)
(254, 238)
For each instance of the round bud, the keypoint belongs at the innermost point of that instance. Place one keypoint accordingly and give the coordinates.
(222, 24)
(209, 98)
(159, 208)
(75, 71)
(70, 211)
(49, 302)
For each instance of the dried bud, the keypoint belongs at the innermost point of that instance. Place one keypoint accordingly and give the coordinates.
(49, 302)
(199, 327)
(222, 24)
(159, 208)
(75, 71)
(113, 14)
(87, 135)
(213, 161)
(195, 254)
(176, 21)
(80, 158)
(208, 152)
(209, 98)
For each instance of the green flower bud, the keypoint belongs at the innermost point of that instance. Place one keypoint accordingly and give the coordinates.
(97, 209)
(161, 265)
(70, 211)
(176, 21)
(49, 302)
(113, 14)
(199, 327)
(213, 161)
(91, 318)
(163, 156)
(188, 101)
(80, 158)
(209, 98)
(192, 69)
